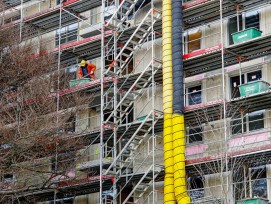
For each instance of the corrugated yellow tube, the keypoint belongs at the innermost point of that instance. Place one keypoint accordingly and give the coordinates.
(179, 159)
(169, 195)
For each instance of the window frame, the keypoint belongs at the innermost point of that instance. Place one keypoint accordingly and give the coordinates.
(244, 80)
(188, 129)
(200, 190)
(66, 34)
(187, 95)
(245, 126)
(186, 40)
(251, 180)
(242, 23)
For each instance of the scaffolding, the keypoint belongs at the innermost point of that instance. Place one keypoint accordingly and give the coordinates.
(123, 150)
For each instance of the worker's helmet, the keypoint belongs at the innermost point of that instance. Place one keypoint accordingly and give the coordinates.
(83, 63)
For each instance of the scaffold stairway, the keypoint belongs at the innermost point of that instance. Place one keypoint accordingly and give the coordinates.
(139, 36)
(123, 159)
(132, 95)
(143, 185)
(121, 15)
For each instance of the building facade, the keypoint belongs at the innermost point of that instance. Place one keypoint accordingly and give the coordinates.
(227, 127)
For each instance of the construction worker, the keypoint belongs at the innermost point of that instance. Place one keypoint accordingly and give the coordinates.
(82, 71)
(86, 70)
(91, 69)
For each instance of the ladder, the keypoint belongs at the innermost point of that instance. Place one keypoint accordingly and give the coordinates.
(121, 15)
(139, 36)
(143, 185)
(135, 91)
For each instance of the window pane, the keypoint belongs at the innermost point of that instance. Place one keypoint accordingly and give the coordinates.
(259, 183)
(252, 19)
(236, 125)
(194, 41)
(232, 26)
(197, 188)
(58, 1)
(256, 120)
(72, 35)
(195, 134)
(254, 76)
(68, 34)
(194, 95)
(235, 82)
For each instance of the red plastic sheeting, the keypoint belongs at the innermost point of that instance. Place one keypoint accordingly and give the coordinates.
(202, 52)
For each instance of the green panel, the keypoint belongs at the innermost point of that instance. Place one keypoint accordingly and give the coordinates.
(253, 88)
(245, 35)
(141, 118)
(253, 201)
(78, 82)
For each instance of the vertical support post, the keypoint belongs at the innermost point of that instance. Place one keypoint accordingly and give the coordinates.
(245, 180)
(115, 103)
(224, 106)
(240, 79)
(237, 13)
(153, 103)
(102, 103)
(58, 82)
(21, 23)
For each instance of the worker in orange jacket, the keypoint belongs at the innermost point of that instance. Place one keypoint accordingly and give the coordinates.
(86, 70)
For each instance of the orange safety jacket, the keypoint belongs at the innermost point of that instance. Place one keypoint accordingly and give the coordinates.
(91, 69)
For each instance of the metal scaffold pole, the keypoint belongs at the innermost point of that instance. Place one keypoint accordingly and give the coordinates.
(58, 85)
(21, 23)
(115, 144)
(224, 106)
(102, 103)
(153, 107)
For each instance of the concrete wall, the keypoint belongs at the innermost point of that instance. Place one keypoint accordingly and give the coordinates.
(212, 35)
(142, 56)
(31, 8)
(143, 156)
(216, 186)
(82, 121)
(266, 20)
(143, 104)
(214, 89)
(90, 153)
(29, 173)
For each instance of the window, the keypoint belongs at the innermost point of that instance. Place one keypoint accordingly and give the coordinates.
(246, 78)
(197, 187)
(250, 122)
(108, 196)
(192, 41)
(233, 27)
(58, 1)
(13, 18)
(235, 82)
(252, 20)
(258, 183)
(246, 20)
(250, 182)
(7, 178)
(194, 95)
(195, 134)
(68, 34)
